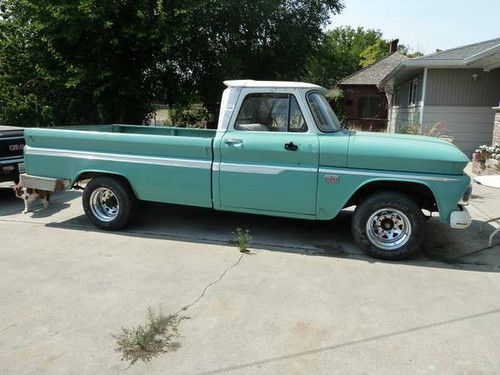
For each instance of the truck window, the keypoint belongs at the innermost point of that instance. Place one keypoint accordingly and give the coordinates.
(270, 112)
(323, 114)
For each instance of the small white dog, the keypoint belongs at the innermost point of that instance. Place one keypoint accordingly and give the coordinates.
(30, 195)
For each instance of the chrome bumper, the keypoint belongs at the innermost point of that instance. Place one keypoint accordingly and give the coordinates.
(460, 219)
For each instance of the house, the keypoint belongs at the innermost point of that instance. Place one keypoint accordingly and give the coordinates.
(365, 105)
(457, 88)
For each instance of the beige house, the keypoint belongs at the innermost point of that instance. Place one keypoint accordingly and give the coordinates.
(457, 87)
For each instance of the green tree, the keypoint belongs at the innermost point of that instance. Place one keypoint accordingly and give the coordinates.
(96, 61)
(218, 40)
(339, 54)
(374, 53)
(344, 50)
(86, 61)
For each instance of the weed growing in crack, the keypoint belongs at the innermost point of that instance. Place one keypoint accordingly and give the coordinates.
(144, 342)
(242, 239)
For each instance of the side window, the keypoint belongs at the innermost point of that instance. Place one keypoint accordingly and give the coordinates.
(412, 94)
(297, 121)
(270, 112)
(368, 107)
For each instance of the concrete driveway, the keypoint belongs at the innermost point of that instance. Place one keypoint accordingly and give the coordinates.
(306, 301)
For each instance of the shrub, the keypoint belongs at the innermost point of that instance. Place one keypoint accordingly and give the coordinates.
(243, 239)
(438, 130)
(190, 116)
(145, 342)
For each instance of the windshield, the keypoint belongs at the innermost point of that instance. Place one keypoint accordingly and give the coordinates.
(323, 114)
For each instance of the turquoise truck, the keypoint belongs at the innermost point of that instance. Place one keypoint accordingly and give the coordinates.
(278, 150)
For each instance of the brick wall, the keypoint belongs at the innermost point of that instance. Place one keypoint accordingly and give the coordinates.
(496, 127)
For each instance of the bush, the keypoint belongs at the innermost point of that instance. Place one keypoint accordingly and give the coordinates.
(155, 337)
(190, 116)
(438, 130)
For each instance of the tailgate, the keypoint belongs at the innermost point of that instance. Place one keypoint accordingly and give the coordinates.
(11, 146)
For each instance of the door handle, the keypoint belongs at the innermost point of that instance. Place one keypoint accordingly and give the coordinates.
(291, 146)
(233, 141)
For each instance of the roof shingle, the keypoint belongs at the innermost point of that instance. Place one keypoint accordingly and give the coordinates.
(372, 74)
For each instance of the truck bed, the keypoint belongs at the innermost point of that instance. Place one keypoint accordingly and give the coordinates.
(162, 164)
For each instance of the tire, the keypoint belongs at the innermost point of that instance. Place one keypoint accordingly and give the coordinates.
(109, 203)
(388, 225)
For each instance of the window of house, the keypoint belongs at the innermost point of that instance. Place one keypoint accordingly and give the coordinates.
(369, 106)
(270, 112)
(412, 94)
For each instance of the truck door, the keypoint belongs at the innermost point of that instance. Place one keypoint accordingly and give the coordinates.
(269, 158)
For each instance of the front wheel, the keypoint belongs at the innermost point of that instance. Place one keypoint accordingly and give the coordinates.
(388, 225)
(109, 203)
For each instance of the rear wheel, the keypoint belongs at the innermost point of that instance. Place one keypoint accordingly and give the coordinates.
(109, 203)
(388, 225)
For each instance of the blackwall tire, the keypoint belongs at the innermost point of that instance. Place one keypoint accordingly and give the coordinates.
(388, 225)
(109, 203)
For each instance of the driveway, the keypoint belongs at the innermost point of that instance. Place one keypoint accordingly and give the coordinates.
(304, 301)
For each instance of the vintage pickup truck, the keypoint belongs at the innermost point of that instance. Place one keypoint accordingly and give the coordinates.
(279, 150)
(11, 152)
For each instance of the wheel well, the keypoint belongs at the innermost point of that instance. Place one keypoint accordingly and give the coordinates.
(91, 175)
(421, 194)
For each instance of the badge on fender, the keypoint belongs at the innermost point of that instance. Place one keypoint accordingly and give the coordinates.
(331, 178)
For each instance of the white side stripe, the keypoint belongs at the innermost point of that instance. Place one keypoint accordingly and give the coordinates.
(261, 169)
(170, 162)
(354, 172)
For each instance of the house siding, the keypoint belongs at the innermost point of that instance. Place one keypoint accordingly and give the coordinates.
(469, 126)
(402, 114)
(457, 87)
(496, 127)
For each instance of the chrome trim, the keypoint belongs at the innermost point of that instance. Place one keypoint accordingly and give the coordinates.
(386, 174)
(11, 161)
(19, 138)
(169, 162)
(261, 169)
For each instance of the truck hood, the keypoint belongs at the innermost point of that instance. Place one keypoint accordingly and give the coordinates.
(404, 153)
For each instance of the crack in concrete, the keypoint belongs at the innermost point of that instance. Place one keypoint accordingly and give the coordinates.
(219, 279)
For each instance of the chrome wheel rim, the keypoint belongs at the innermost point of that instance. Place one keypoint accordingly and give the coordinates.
(388, 229)
(104, 204)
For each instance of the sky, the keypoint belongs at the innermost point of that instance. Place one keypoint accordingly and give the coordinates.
(425, 25)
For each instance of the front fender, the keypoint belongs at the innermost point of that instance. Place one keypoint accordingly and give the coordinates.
(336, 186)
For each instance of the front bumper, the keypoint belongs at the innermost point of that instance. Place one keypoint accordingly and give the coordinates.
(460, 219)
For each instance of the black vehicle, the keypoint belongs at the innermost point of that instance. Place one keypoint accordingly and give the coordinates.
(11, 152)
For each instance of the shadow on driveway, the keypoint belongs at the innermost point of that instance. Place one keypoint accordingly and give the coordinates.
(443, 247)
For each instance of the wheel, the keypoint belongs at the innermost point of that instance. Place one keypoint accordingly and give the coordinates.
(388, 225)
(109, 203)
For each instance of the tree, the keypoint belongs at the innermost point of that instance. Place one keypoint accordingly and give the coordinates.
(339, 54)
(374, 53)
(86, 61)
(254, 39)
(102, 61)
(344, 50)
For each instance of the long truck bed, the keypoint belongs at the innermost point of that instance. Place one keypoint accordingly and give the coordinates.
(150, 158)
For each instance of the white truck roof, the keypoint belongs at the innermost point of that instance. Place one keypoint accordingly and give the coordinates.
(273, 84)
